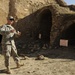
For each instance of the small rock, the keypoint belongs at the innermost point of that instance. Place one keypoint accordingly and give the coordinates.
(40, 57)
(28, 72)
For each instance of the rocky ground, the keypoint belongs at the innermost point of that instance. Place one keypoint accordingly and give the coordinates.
(59, 61)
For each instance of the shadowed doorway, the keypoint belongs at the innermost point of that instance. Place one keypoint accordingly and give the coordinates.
(0, 38)
(0, 43)
(45, 26)
(69, 34)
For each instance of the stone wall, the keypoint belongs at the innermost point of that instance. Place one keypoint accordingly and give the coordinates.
(28, 14)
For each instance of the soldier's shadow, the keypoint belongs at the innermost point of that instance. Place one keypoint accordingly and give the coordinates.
(14, 68)
(3, 71)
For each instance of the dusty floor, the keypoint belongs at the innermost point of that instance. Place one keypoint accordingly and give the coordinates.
(57, 62)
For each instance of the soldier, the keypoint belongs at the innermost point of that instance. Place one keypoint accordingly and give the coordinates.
(8, 45)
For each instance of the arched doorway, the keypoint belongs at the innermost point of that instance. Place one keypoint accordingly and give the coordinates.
(69, 34)
(45, 26)
(0, 38)
(0, 43)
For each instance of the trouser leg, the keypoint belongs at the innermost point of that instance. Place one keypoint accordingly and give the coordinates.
(14, 54)
(6, 53)
(6, 61)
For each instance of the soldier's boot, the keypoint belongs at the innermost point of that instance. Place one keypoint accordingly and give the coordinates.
(8, 70)
(19, 65)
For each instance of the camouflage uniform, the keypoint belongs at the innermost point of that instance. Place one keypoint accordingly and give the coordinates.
(8, 44)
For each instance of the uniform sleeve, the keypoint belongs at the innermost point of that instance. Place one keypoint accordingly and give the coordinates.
(15, 32)
(3, 30)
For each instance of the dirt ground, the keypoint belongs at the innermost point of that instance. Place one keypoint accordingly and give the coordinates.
(59, 61)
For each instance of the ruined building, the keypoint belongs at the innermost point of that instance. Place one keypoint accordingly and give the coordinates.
(44, 20)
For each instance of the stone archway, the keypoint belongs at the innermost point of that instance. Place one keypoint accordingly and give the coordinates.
(69, 34)
(45, 25)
